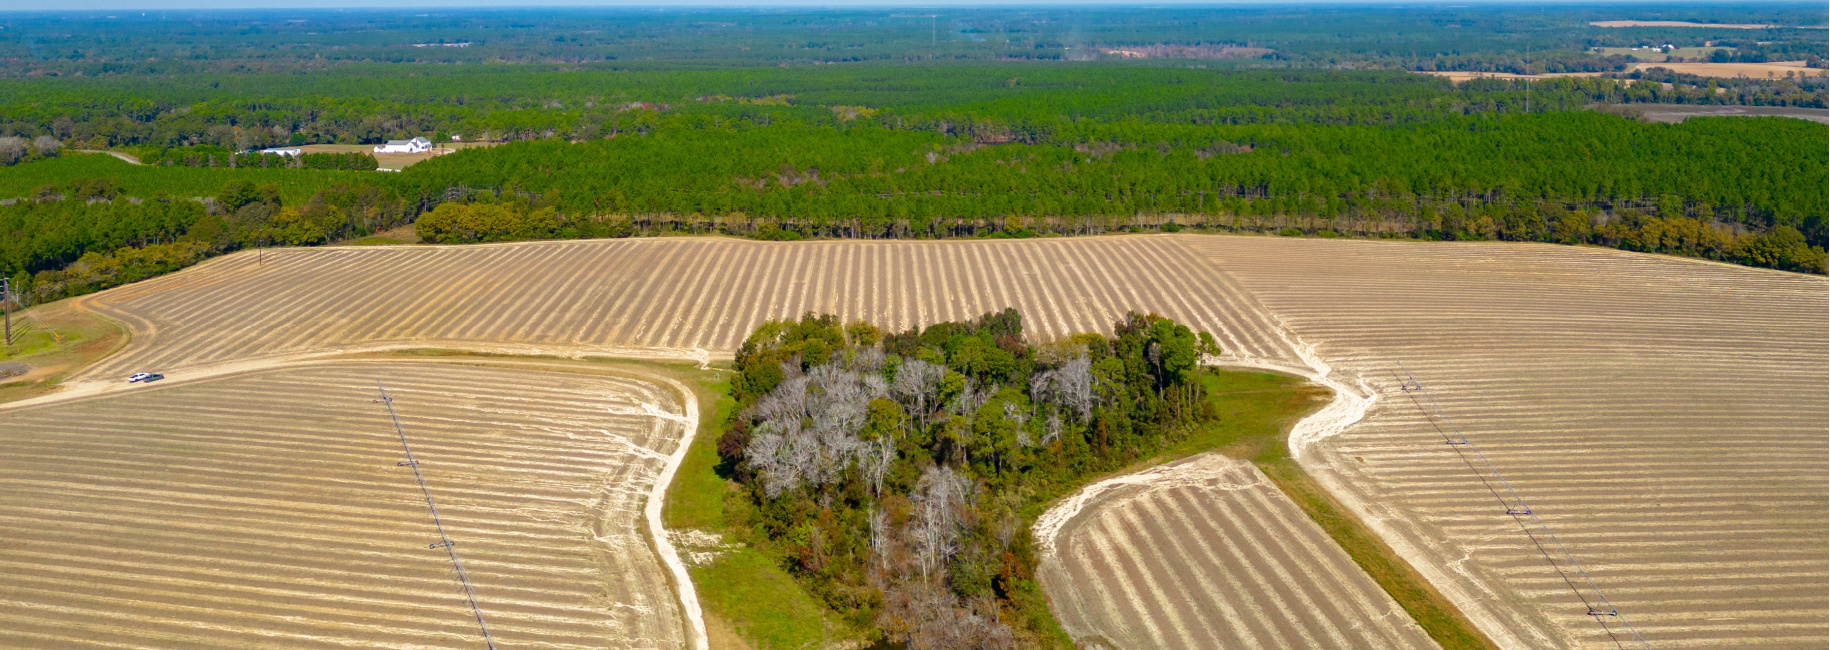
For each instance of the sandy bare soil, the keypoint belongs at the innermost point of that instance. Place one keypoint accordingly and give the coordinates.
(267, 510)
(1459, 76)
(1674, 113)
(1665, 417)
(1776, 70)
(658, 297)
(394, 161)
(1207, 553)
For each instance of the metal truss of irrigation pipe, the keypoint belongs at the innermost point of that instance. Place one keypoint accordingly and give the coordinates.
(443, 539)
(1600, 608)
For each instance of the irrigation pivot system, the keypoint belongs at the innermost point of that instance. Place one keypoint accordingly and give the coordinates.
(1558, 555)
(444, 540)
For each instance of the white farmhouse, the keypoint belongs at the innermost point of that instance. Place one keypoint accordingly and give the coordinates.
(416, 145)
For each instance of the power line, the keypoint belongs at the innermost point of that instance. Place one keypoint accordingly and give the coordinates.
(1574, 576)
(444, 540)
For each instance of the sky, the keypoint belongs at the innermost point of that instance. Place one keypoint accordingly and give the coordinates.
(54, 5)
(147, 5)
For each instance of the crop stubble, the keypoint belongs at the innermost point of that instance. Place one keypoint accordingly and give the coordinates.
(1207, 553)
(652, 294)
(266, 510)
(1664, 416)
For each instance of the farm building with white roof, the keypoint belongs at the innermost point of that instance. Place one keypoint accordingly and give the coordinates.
(416, 145)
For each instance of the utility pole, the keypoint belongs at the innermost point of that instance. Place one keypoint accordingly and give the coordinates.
(6, 305)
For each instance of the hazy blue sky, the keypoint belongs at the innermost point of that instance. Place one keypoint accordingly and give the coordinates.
(147, 5)
(276, 4)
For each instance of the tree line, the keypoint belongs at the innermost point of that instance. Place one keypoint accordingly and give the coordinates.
(191, 115)
(1485, 177)
(86, 236)
(1751, 191)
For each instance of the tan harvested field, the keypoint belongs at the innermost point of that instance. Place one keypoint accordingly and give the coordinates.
(1666, 417)
(680, 297)
(1459, 76)
(1776, 70)
(266, 510)
(1207, 553)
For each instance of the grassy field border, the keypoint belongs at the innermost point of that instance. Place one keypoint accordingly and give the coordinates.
(1271, 454)
(89, 337)
(749, 601)
(1438, 617)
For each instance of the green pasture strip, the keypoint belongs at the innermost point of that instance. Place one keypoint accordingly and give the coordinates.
(1257, 410)
(744, 588)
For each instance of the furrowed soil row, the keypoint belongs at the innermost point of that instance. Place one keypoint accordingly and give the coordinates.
(1665, 418)
(267, 509)
(641, 294)
(1210, 554)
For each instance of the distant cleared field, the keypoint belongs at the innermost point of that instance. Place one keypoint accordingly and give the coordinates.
(267, 510)
(1459, 76)
(1674, 23)
(394, 161)
(1674, 113)
(1646, 54)
(1776, 70)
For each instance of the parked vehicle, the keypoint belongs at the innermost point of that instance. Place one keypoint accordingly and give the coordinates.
(138, 377)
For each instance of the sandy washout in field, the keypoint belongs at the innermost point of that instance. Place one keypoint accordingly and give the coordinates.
(268, 510)
(1207, 553)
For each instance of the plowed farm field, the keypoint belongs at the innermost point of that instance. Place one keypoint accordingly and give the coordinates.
(267, 510)
(1665, 418)
(648, 296)
(1207, 553)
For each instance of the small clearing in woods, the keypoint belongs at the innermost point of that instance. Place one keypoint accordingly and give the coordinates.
(395, 161)
(1773, 70)
(1674, 23)
(1674, 113)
